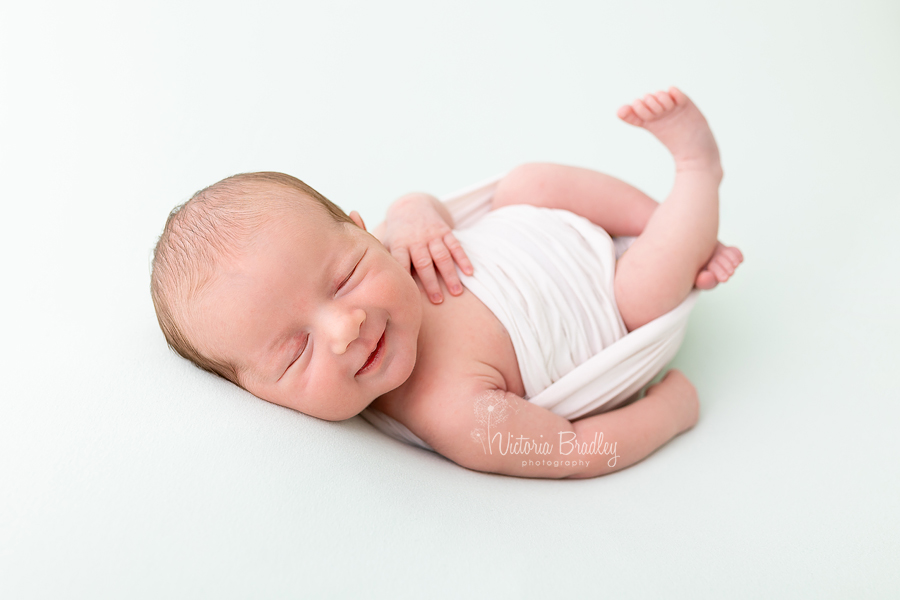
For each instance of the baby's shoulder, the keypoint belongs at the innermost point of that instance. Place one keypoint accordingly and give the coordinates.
(440, 380)
(465, 339)
(436, 404)
(464, 351)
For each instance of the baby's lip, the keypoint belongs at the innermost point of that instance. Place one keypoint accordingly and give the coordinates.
(371, 355)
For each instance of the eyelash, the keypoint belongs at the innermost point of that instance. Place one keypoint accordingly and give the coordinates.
(350, 276)
(300, 353)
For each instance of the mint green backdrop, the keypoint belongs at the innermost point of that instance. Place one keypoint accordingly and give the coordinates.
(127, 473)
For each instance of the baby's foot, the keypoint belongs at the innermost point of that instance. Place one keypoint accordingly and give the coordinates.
(720, 267)
(679, 125)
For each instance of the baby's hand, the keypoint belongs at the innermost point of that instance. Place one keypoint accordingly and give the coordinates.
(417, 235)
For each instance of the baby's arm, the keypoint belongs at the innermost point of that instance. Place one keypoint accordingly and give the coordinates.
(418, 231)
(499, 432)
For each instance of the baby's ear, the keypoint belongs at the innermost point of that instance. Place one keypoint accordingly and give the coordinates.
(358, 220)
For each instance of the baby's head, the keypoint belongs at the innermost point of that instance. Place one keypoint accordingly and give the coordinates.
(263, 281)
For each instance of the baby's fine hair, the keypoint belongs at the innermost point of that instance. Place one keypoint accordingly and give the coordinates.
(216, 223)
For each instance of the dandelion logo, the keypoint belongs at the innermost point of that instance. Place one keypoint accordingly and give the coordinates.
(491, 408)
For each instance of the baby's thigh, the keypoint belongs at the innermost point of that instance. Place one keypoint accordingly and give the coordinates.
(531, 183)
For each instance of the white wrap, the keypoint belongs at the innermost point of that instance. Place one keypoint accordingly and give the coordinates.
(548, 277)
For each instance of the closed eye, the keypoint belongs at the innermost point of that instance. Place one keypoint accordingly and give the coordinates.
(350, 276)
(344, 282)
(300, 353)
(296, 358)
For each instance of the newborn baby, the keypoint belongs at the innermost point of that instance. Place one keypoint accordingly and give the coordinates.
(266, 283)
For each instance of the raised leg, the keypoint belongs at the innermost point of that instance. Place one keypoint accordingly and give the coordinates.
(617, 207)
(620, 209)
(659, 270)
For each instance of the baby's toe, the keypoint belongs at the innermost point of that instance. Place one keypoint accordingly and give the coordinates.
(720, 273)
(734, 255)
(706, 280)
(653, 104)
(626, 113)
(726, 265)
(665, 100)
(678, 96)
(642, 110)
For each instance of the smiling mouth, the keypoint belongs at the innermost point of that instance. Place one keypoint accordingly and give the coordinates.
(375, 357)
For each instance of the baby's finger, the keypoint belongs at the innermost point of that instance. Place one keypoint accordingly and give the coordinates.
(444, 263)
(459, 255)
(402, 256)
(421, 260)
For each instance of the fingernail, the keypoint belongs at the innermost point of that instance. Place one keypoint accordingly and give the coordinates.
(436, 298)
(456, 289)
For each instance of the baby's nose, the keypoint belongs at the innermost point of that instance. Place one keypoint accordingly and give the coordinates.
(346, 328)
